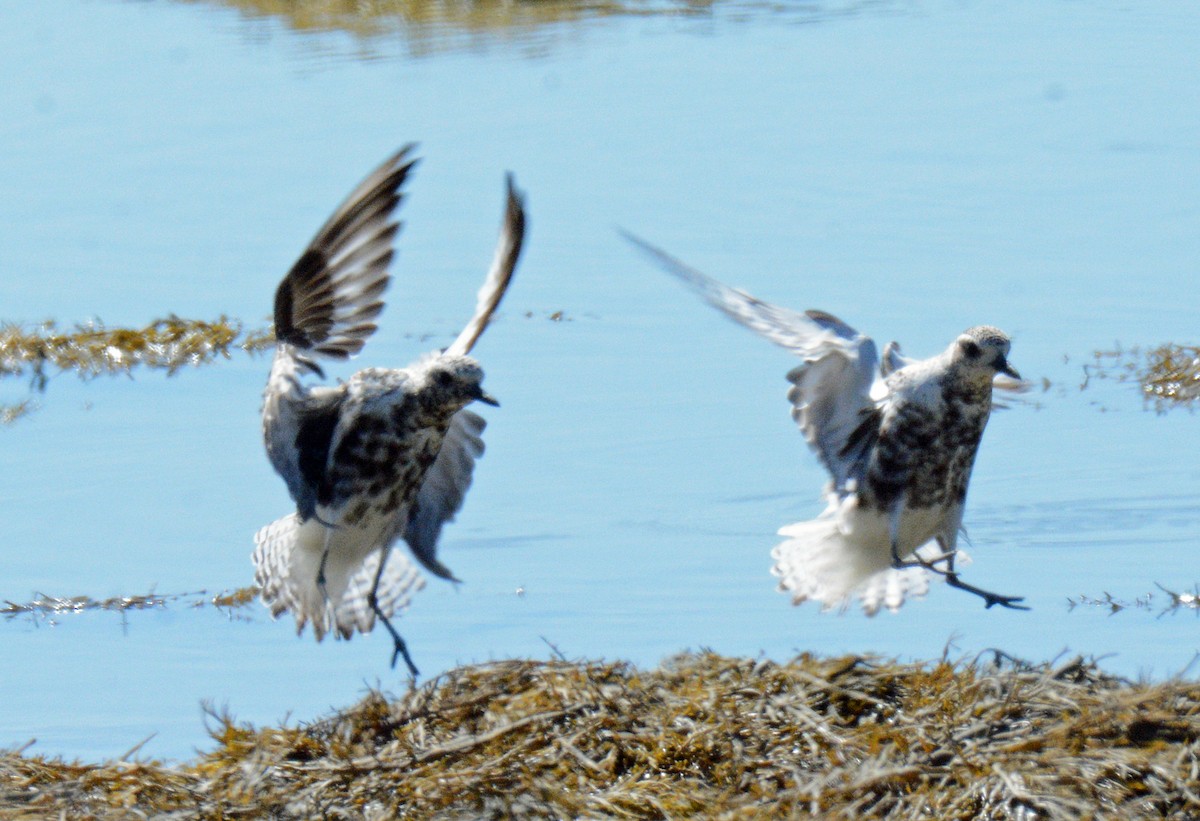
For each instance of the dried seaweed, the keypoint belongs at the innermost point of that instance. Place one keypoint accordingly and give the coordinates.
(700, 736)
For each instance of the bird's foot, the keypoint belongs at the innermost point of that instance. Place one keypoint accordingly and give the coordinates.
(399, 648)
(989, 598)
(904, 564)
(1004, 601)
(927, 564)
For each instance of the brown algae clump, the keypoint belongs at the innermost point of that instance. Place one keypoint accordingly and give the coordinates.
(1172, 374)
(91, 349)
(700, 736)
(1169, 375)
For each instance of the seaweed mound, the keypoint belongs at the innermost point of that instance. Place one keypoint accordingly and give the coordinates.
(702, 736)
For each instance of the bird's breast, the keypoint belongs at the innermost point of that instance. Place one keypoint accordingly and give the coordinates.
(380, 464)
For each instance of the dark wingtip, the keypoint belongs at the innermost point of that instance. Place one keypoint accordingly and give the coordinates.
(515, 204)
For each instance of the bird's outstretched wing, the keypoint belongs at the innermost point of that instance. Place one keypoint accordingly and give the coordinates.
(442, 491)
(831, 393)
(327, 302)
(508, 251)
(299, 451)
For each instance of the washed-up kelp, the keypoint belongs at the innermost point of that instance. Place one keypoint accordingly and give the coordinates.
(702, 736)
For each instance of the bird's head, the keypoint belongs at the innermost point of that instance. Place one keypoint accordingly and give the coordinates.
(456, 381)
(985, 349)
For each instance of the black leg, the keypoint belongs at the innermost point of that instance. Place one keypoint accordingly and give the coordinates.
(953, 580)
(321, 568)
(900, 564)
(894, 535)
(399, 647)
(321, 575)
(989, 598)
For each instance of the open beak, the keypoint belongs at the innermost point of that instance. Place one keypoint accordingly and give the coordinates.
(1008, 369)
(486, 398)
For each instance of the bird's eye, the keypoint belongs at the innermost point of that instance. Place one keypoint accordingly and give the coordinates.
(971, 349)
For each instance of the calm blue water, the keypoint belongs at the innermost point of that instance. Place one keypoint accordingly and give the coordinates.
(915, 169)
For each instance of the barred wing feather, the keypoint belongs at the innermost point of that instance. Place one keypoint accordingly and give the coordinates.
(832, 390)
(328, 301)
(442, 492)
(504, 263)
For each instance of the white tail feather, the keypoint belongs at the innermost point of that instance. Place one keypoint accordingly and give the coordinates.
(819, 561)
(287, 558)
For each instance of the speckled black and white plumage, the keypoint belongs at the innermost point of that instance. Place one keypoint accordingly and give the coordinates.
(898, 437)
(386, 455)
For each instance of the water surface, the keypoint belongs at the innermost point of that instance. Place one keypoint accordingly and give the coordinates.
(913, 168)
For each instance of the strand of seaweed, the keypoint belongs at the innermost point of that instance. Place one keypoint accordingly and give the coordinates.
(1168, 375)
(700, 736)
(91, 349)
(44, 606)
(1174, 601)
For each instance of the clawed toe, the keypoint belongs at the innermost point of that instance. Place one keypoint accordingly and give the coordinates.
(1004, 601)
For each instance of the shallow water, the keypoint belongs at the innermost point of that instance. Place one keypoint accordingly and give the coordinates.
(914, 168)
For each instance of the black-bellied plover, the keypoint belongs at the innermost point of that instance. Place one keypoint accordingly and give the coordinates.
(898, 437)
(389, 453)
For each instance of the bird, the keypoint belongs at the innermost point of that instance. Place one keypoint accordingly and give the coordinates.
(897, 436)
(386, 455)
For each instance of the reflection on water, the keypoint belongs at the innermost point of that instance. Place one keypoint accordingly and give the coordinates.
(427, 27)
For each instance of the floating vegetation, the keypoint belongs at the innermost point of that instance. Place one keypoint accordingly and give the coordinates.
(1168, 375)
(17, 410)
(1147, 601)
(43, 606)
(234, 599)
(90, 350)
(553, 316)
(702, 735)
(1172, 374)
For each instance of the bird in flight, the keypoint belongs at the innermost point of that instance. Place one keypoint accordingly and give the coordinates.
(898, 437)
(386, 455)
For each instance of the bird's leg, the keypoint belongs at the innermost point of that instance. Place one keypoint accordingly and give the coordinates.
(894, 537)
(953, 580)
(989, 598)
(399, 647)
(321, 567)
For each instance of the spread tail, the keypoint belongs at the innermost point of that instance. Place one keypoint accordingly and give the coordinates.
(287, 559)
(818, 561)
